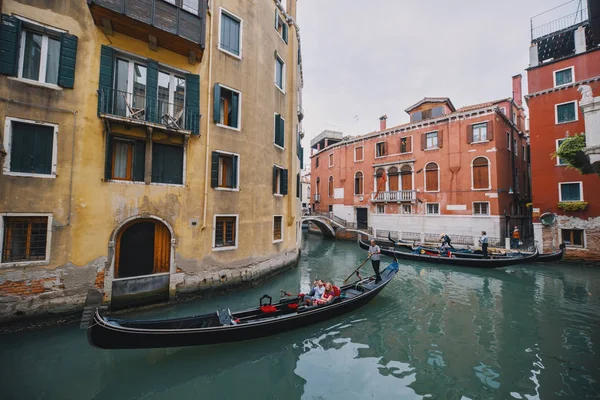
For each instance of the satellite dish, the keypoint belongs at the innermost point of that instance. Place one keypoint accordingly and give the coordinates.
(548, 219)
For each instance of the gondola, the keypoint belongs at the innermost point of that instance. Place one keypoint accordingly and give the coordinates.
(466, 253)
(553, 257)
(463, 262)
(224, 326)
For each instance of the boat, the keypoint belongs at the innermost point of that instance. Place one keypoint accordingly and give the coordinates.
(553, 257)
(463, 262)
(468, 252)
(225, 326)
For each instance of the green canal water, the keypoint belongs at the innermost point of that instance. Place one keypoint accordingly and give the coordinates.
(530, 332)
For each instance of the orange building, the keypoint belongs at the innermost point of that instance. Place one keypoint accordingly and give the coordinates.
(458, 171)
(564, 55)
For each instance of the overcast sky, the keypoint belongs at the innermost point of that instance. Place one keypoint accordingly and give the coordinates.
(375, 57)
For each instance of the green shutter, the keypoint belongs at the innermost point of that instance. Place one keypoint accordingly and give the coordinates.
(234, 178)
(167, 164)
(139, 160)
(41, 159)
(10, 35)
(277, 124)
(151, 91)
(192, 103)
(217, 103)
(214, 172)
(108, 159)
(284, 32)
(68, 57)
(282, 133)
(276, 18)
(298, 185)
(21, 144)
(284, 181)
(106, 80)
(275, 179)
(234, 110)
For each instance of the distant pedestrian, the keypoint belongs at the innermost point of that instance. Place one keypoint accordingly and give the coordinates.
(375, 254)
(484, 244)
(515, 238)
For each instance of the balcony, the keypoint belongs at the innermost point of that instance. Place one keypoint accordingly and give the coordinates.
(170, 24)
(136, 109)
(317, 197)
(397, 196)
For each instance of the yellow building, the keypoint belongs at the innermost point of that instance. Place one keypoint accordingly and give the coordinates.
(150, 148)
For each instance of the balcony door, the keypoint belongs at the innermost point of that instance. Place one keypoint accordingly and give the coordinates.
(406, 174)
(130, 89)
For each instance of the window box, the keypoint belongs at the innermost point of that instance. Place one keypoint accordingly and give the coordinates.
(572, 206)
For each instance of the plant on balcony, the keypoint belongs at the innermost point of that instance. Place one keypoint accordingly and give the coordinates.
(572, 205)
(529, 205)
(571, 152)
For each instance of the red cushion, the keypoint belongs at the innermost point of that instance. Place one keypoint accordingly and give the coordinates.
(293, 306)
(336, 291)
(268, 309)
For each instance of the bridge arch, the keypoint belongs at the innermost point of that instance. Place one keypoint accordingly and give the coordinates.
(323, 226)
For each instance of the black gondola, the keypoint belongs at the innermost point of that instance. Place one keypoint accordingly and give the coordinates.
(269, 319)
(553, 257)
(462, 262)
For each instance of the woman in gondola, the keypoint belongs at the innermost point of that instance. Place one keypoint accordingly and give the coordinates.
(327, 295)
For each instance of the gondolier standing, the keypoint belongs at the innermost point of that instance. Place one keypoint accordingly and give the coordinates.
(484, 244)
(375, 254)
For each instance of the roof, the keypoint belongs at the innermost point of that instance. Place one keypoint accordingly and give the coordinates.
(431, 100)
(482, 105)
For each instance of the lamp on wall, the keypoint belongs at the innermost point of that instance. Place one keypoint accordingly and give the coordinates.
(509, 191)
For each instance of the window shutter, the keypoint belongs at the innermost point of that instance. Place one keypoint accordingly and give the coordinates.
(217, 103)
(470, 134)
(284, 181)
(214, 172)
(235, 101)
(440, 138)
(490, 130)
(139, 161)
(409, 144)
(282, 132)
(41, 159)
(192, 103)
(109, 156)
(234, 176)
(423, 141)
(277, 129)
(275, 179)
(298, 185)
(68, 57)
(284, 33)
(20, 151)
(157, 162)
(106, 80)
(10, 35)
(276, 18)
(152, 91)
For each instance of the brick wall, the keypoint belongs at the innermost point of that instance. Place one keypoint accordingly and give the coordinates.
(30, 287)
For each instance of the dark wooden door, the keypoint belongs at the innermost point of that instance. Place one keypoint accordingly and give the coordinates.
(362, 218)
(136, 250)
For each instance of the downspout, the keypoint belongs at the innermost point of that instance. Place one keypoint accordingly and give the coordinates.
(208, 118)
(72, 147)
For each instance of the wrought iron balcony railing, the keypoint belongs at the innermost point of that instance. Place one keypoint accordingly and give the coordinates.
(317, 197)
(557, 19)
(394, 196)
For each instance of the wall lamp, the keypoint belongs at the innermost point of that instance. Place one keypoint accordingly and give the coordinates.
(509, 191)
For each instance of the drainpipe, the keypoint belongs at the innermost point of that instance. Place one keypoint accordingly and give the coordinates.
(208, 119)
(10, 101)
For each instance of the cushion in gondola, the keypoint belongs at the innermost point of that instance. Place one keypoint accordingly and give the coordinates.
(293, 306)
(336, 291)
(268, 309)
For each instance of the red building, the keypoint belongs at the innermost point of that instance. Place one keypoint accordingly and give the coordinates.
(458, 171)
(563, 56)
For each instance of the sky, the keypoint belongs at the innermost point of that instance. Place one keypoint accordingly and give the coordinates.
(376, 57)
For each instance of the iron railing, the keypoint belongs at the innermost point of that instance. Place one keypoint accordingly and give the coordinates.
(549, 21)
(397, 195)
(317, 197)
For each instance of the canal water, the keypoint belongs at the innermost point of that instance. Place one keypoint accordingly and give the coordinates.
(527, 332)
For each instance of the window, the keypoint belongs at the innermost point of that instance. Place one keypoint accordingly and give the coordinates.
(432, 177)
(481, 208)
(406, 209)
(316, 162)
(571, 191)
(167, 164)
(281, 27)
(280, 181)
(277, 231)
(406, 177)
(523, 152)
(517, 183)
(563, 76)
(225, 232)
(572, 237)
(393, 176)
(514, 119)
(128, 159)
(479, 133)
(432, 140)
(480, 171)
(25, 239)
(191, 6)
(31, 148)
(330, 187)
(433, 208)
(39, 57)
(508, 141)
(230, 35)
(330, 157)
(516, 147)
(318, 190)
(566, 112)
(358, 183)
(558, 160)
(279, 73)
(406, 145)
(228, 105)
(380, 149)
(380, 209)
(358, 154)
(279, 131)
(225, 170)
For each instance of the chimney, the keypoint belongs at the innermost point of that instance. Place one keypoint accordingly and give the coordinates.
(517, 90)
(382, 123)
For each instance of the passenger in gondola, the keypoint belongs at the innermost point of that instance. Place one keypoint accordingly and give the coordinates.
(484, 244)
(316, 292)
(327, 295)
(445, 249)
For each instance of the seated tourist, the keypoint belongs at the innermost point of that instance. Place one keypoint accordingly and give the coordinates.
(327, 295)
(316, 292)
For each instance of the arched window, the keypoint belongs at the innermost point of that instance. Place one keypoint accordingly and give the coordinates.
(481, 174)
(406, 173)
(380, 180)
(318, 184)
(432, 181)
(330, 186)
(393, 178)
(358, 183)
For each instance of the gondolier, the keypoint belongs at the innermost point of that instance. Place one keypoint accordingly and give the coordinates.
(375, 254)
(484, 244)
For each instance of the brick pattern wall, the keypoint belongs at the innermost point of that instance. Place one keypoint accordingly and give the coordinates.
(99, 283)
(30, 287)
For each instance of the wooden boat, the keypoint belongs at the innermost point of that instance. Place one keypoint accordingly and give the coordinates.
(224, 326)
(553, 257)
(463, 262)
(434, 250)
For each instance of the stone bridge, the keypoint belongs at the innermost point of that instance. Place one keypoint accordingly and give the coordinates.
(330, 227)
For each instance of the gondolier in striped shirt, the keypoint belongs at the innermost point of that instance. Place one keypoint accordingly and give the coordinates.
(375, 254)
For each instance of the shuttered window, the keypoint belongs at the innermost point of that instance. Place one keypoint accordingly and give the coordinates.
(570, 192)
(380, 150)
(431, 140)
(279, 73)
(277, 228)
(24, 239)
(280, 181)
(406, 145)
(128, 159)
(406, 173)
(393, 179)
(225, 232)
(280, 26)
(227, 103)
(167, 164)
(358, 154)
(432, 183)
(566, 112)
(358, 183)
(224, 171)
(31, 148)
(279, 139)
(481, 179)
(330, 187)
(231, 34)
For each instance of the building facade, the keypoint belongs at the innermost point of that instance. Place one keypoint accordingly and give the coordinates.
(130, 147)
(458, 171)
(566, 204)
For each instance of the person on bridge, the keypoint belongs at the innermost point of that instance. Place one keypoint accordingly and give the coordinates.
(375, 254)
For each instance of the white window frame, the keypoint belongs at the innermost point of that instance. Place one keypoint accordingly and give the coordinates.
(279, 186)
(275, 131)
(572, 68)
(273, 229)
(214, 233)
(411, 144)
(509, 139)
(425, 178)
(8, 132)
(283, 73)
(45, 261)
(239, 121)
(384, 149)
(283, 22)
(363, 184)
(566, 183)
(427, 209)
(363, 153)
(377, 207)
(558, 163)
(479, 124)
(480, 202)
(241, 21)
(330, 160)
(437, 140)
(489, 174)
(561, 104)
(571, 246)
(409, 208)
(236, 189)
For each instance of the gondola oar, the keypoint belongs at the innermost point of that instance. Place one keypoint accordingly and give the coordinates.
(356, 270)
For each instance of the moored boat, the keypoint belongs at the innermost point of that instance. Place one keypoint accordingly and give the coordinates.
(225, 326)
